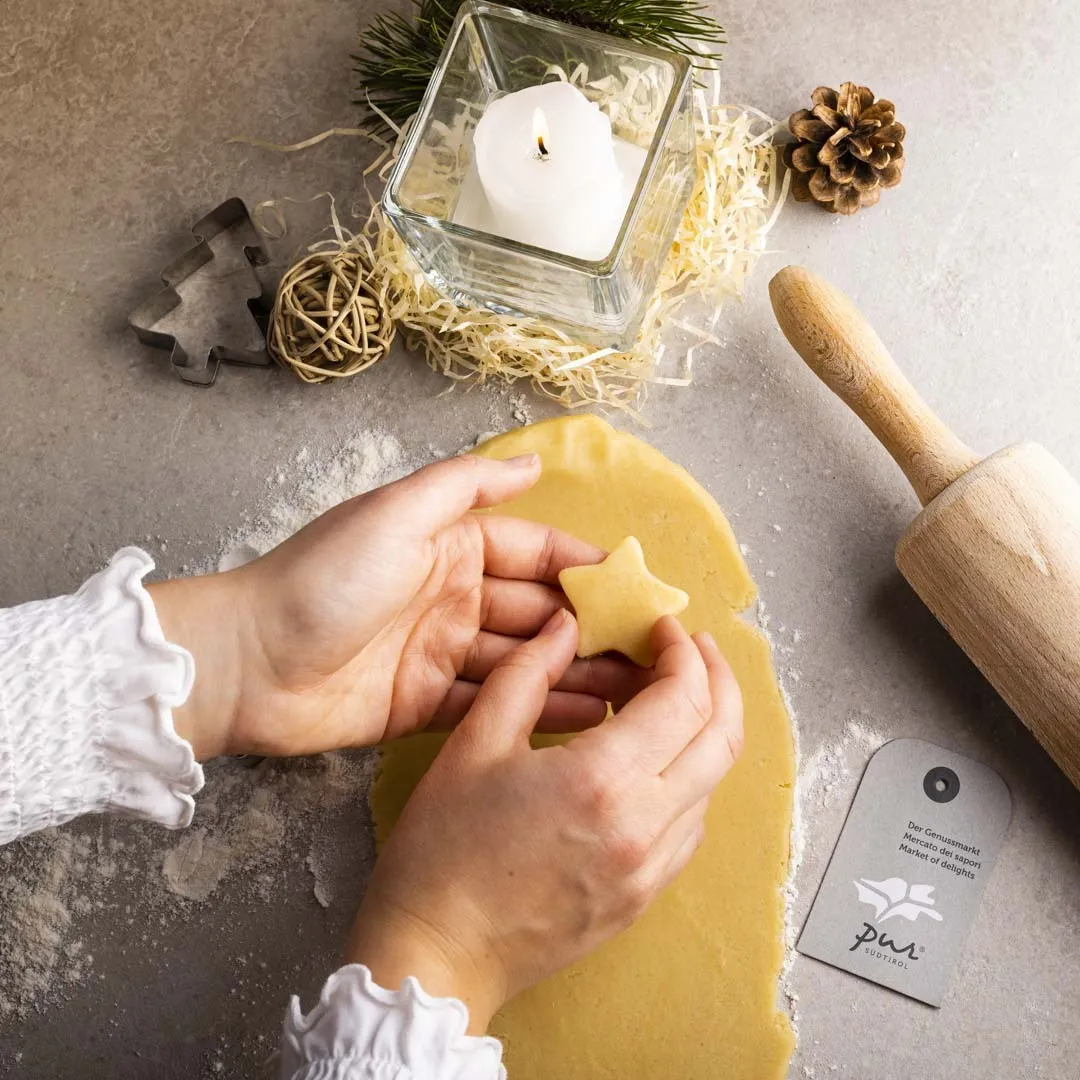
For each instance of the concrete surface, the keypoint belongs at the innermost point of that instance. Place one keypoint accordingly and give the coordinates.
(112, 141)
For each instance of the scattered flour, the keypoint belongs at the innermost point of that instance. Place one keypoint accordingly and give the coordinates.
(828, 773)
(511, 402)
(367, 460)
(244, 814)
(319, 862)
(825, 783)
(39, 954)
(825, 779)
(519, 409)
(37, 920)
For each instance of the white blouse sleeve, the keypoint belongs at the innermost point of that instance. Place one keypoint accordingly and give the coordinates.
(87, 688)
(359, 1031)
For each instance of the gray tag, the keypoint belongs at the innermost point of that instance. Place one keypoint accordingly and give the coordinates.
(909, 869)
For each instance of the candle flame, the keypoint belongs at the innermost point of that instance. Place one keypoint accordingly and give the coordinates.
(540, 133)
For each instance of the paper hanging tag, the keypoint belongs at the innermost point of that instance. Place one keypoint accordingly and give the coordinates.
(905, 880)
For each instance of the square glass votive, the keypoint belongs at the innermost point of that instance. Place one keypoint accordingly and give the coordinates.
(647, 94)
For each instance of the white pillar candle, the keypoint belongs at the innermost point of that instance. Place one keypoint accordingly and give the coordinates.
(546, 160)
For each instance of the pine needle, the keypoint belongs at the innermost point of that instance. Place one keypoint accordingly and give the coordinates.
(398, 54)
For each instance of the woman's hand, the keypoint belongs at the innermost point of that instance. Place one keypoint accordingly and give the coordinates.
(509, 863)
(380, 617)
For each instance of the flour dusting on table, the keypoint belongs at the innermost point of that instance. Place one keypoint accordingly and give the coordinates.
(366, 460)
(826, 778)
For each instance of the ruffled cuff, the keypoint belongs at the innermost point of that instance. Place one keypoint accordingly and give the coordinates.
(359, 1031)
(87, 688)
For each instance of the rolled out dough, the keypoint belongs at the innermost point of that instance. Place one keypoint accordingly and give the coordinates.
(691, 991)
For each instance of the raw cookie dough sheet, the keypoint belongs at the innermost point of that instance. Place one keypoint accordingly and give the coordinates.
(691, 991)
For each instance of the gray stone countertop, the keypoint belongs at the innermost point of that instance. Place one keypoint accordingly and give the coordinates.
(113, 133)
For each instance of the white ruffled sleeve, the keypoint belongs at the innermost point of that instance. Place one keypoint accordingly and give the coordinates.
(359, 1031)
(87, 688)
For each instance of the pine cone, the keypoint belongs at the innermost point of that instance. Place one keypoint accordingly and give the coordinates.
(849, 148)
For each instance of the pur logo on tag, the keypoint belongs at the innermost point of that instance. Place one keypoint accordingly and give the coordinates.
(907, 874)
(869, 936)
(891, 899)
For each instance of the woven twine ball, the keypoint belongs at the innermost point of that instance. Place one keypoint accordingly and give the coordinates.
(328, 322)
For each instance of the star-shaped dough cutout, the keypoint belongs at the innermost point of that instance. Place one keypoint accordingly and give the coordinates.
(617, 603)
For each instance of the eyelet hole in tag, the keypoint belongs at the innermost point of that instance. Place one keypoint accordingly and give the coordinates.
(908, 872)
(941, 784)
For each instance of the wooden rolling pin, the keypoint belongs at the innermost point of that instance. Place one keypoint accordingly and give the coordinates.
(995, 552)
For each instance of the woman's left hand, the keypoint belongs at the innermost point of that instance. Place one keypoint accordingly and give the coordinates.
(380, 618)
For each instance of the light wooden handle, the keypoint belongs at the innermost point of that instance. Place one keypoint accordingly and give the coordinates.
(841, 348)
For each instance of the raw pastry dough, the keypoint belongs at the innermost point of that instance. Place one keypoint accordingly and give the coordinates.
(618, 602)
(690, 992)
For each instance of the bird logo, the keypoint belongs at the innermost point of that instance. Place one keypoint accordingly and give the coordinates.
(894, 898)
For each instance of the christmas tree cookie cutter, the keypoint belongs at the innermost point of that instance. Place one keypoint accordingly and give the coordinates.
(232, 215)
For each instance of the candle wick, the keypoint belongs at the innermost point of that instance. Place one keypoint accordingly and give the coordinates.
(542, 152)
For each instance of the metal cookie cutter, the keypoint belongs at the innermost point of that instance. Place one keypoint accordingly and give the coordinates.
(202, 371)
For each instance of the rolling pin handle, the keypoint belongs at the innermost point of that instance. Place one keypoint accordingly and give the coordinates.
(841, 348)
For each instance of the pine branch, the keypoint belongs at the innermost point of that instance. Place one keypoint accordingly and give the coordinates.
(680, 25)
(398, 54)
(397, 58)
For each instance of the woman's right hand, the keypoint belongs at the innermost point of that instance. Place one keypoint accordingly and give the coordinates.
(509, 863)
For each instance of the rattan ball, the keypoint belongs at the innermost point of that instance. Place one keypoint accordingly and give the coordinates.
(328, 322)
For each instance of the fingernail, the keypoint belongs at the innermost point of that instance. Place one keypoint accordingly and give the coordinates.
(555, 623)
(708, 638)
(524, 461)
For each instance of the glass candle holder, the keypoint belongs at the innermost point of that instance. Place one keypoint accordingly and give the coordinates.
(646, 92)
